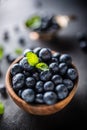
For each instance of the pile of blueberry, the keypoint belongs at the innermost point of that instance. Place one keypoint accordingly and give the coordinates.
(45, 85)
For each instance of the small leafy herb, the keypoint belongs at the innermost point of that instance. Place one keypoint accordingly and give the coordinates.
(33, 22)
(18, 51)
(42, 66)
(1, 52)
(32, 58)
(1, 108)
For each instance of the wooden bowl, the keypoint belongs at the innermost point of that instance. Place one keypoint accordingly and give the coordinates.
(37, 109)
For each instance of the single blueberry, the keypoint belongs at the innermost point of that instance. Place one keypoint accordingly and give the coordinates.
(16, 68)
(39, 86)
(50, 98)
(57, 79)
(36, 76)
(54, 67)
(56, 55)
(63, 68)
(45, 75)
(48, 86)
(25, 65)
(30, 82)
(45, 54)
(66, 58)
(39, 98)
(68, 83)
(62, 91)
(37, 50)
(18, 81)
(72, 73)
(28, 95)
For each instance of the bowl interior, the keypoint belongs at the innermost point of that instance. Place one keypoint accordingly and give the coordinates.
(37, 109)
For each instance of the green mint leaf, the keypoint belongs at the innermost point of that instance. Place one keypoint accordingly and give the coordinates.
(1, 52)
(32, 58)
(18, 51)
(1, 108)
(33, 22)
(42, 66)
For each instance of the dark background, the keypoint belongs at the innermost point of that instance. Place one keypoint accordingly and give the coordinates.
(13, 13)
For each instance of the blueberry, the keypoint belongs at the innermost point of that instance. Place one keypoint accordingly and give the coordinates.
(30, 82)
(22, 41)
(26, 51)
(56, 55)
(63, 68)
(66, 58)
(36, 76)
(28, 95)
(57, 79)
(72, 73)
(25, 65)
(53, 60)
(54, 67)
(39, 86)
(83, 45)
(68, 83)
(45, 54)
(48, 86)
(45, 75)
(37, 50)
(18, 81)
(20, 92)
(10, 58)
(62, 91)
(2, 89)
(50, 98)
(6, 35)
(39, 98)
(16, 68)
(26, 73)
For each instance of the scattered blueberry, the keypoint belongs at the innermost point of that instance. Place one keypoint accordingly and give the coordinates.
(48, 86)
(2, 89)
(10, 58)
(83, 45)
(28, 95)
(62, 91)
(22, 41)
(50, 98)
(6, 35)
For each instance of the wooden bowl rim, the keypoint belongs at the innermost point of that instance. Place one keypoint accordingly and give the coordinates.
(37, 109)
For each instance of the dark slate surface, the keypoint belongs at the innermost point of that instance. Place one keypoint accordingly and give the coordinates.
(13, 13)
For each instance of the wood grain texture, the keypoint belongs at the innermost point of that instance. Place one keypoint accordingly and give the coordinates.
(37, 109)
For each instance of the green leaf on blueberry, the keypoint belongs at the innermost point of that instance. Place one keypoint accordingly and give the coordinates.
(32, 58)
(1, 52)
(42, 66)
(33, 22)
(1, 108)
(18, 51)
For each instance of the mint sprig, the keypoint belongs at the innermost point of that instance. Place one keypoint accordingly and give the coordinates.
(1, 108)
(33, 22)
(42, 66)
(32, 58)
(1, 52)
(18, 51)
